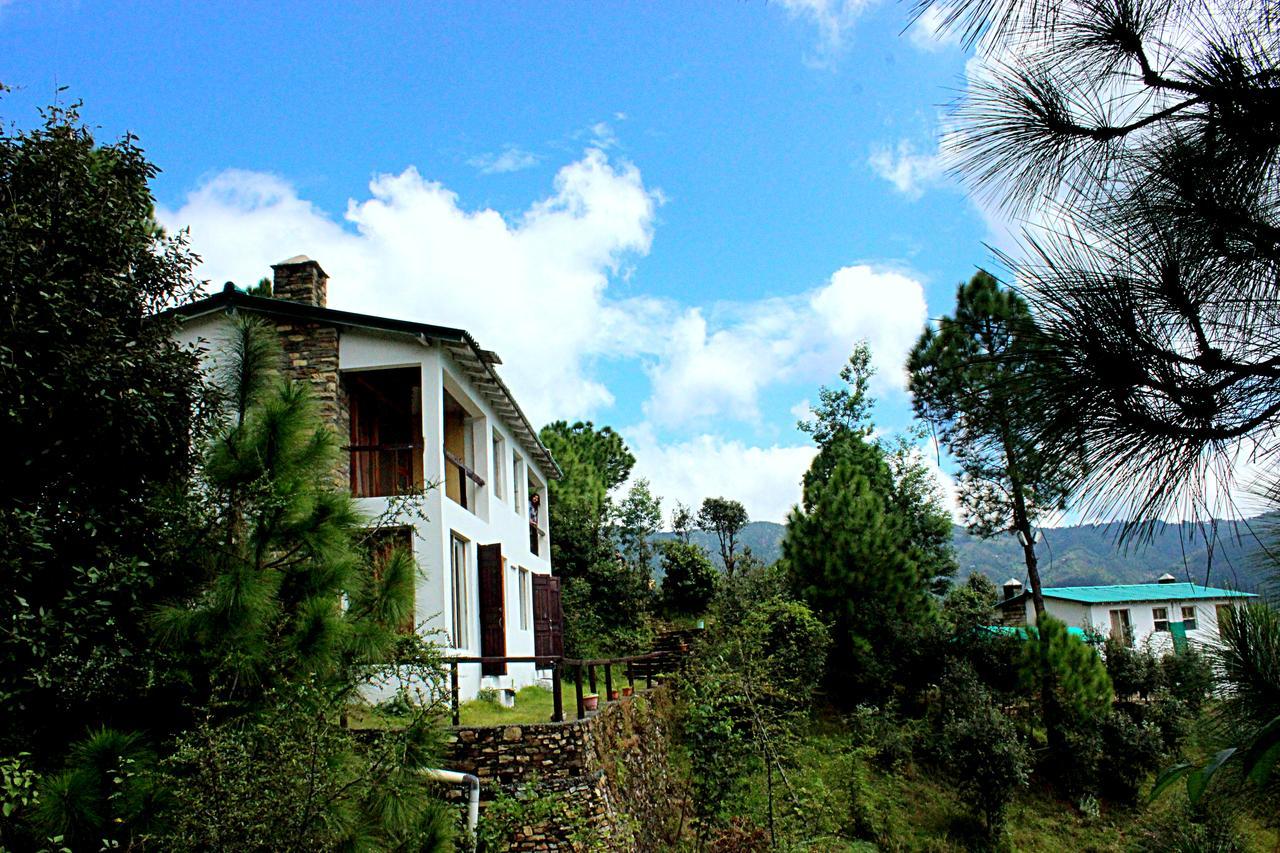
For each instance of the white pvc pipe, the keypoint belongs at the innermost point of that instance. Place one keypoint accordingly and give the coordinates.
(454, 777)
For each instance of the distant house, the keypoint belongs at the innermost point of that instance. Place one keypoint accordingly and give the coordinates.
(417, 404)
(1167, 614)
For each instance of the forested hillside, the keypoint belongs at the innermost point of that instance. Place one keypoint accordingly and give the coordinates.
(1083, 554)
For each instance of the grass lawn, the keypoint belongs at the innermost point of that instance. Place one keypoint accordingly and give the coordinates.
(533, 705)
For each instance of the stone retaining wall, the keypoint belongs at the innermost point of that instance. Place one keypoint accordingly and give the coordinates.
(609, 775)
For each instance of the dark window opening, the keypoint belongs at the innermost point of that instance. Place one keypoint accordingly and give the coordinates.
(386, 431)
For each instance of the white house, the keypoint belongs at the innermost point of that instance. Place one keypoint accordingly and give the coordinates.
(1166, 614)
(420, 404)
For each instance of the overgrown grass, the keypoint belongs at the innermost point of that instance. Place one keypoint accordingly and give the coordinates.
(533, 705)
(835, 796)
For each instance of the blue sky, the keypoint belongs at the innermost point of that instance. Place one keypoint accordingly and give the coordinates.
(674, 218)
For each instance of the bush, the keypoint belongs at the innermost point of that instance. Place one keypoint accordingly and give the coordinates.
(980, 748)
(689, 579)
(1188, 677)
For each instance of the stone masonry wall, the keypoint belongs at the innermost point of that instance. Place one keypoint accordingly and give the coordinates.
(610, 772)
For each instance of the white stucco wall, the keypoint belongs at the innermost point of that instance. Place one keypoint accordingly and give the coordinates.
(1141, 618)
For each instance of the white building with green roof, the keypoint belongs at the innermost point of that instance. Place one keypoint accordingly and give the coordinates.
(1167, 614)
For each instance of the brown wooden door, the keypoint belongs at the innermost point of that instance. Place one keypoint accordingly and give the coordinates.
(548, 618)
(493, 621)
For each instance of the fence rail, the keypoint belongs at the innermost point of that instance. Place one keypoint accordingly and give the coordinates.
(638, 667)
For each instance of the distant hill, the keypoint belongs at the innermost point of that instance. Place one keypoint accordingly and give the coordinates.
(1079, 555)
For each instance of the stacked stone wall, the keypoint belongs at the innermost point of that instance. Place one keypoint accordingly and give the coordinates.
(610, 774)
(311, 357)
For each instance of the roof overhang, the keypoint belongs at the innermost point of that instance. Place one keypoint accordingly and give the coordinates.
(477, 363)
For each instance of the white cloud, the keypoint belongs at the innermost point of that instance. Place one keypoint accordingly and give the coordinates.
(510, 159)
(911, 173)
(718, 367)
(533, 289)
(833, 20)
(765, 479)
(928, 34)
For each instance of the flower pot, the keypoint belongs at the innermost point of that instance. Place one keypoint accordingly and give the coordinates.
(590, 702)
(627, 691)
(613, 696)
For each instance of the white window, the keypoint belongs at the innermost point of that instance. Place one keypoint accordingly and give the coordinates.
(1189, 617)
(524, 599)
(499, 466)
(461, 615)
(1160, 615)
(517, 482)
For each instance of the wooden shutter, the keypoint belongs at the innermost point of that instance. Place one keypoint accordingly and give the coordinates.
(548, 619)
(493, 624)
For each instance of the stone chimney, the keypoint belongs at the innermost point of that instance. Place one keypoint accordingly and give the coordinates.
(1011, 588)
(300, 279)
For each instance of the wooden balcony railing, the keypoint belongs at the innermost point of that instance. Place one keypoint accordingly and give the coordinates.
(379, 470)
(459, 473)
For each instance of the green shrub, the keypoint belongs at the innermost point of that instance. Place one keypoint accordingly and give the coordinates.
(689, 579)
(980, 748)
(1188, 677)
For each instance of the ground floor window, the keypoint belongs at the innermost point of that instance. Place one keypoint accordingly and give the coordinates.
(1189, 618)
(524, 599)
(461, 616)
(382, 545)
(1121, 627)
(1160, 615)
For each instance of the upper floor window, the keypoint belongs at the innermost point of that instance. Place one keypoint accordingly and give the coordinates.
(385, 441)
(517, 482)
(1160, 615)
(499, 466)
(1189, 618)
(461, 481)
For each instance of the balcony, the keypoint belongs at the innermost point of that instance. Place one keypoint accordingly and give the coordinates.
(385, 444)
(461, 481)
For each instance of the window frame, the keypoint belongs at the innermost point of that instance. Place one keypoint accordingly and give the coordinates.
(499, 449)
(460, 624)
(525, 592)
(1161, 621)
(1192, 623)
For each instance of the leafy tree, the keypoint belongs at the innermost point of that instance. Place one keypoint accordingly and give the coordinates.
(639, 517)
(864, 548)
(594, 462)
(973, 379)
(683, 521)
(97, 409)
(689, 578)
(725, 518)
(1154, 130)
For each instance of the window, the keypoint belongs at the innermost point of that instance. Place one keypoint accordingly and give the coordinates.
(1189, 618)
(381, 546)
(1121, 627)
(499, 465)
(524, 599)
(517, 482)
(461, 617)
(1225, 612)
(1161, 617)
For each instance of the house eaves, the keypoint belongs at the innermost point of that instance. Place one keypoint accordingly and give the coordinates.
(477, 362)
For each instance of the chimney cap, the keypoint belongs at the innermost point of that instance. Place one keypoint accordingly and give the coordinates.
(1166, 578)
(1012, 582)
(297, 261)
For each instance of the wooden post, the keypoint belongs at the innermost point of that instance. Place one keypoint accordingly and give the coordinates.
(591, 672)
(557, 699)
(631, 675)
(608, 681)
(453, 690)
(577, 686)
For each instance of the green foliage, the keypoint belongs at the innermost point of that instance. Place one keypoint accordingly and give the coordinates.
(1248, 661)
(285, 778)
(981, 749)
(108, 795)
(1055, 660)
(844, 411)
(688, 580)
(725, 518)
(600, 551)
(97, 406)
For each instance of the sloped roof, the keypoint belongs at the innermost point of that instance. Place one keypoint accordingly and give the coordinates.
(1126, 592)
(476, 362)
